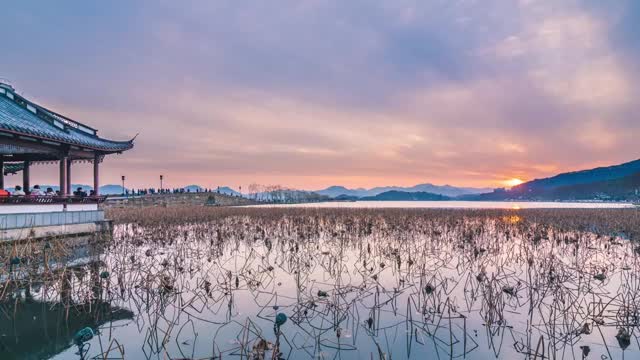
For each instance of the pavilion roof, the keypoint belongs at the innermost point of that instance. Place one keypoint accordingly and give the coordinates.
(13, 168)
(25, 119)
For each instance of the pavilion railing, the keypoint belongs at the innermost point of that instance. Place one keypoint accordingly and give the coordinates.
(43, 200)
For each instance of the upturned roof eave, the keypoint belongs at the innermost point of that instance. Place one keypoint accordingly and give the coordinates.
(121, 145)
(71, 134)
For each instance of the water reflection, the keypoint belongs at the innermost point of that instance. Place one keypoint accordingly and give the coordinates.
(348, 285)
(45, 301)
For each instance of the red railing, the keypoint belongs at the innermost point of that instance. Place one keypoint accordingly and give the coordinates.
(31, 199)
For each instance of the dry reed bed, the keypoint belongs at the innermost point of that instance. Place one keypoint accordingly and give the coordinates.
(604, 222)
(358, 283)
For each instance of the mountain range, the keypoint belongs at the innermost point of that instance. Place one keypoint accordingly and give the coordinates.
(445, 190)
(617, 182)
(395, 195)
(610, 183)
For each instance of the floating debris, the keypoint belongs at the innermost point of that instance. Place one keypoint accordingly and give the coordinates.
(83, 335)
(510, 290)
(429, 289)
(624, 338)
(600, 276)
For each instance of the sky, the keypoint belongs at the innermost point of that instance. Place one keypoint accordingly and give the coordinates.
(312, 93)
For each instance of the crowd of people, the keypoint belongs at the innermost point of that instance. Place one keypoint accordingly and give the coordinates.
(37, 191)
(152, 191)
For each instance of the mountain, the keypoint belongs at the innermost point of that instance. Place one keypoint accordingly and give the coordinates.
(585, 176)
(111, 190)
(626, 188)
(395, 195)
(618, 182)
(446, 190)
(335, 191)
(228, 191)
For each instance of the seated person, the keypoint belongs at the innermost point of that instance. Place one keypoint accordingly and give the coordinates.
(18, 191)
(4, 193)
(36, 191)
(50, 192)
(92, 193)
(79, 193)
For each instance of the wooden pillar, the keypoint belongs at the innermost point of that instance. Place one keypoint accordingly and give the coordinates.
(26, 181)
(63, 175)
(69, 190)
(96, 174)
(1, 172)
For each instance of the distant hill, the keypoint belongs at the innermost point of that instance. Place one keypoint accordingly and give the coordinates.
(626, 188)
(584, 176)
(193, 188)
(111, 189)
(446, 190)
(395, 195)
(228, 191)
(618, 182)
(335, 191)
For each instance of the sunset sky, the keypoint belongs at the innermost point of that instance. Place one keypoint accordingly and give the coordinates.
(359, 93)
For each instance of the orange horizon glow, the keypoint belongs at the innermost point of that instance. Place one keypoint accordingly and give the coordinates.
(513, 182)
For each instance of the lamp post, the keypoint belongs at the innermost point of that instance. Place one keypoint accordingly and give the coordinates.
(123, 178)
(161, 188)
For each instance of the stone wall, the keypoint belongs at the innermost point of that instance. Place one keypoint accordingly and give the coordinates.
(20, 226)
(211, 199)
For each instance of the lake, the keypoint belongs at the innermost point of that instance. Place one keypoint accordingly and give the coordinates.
(316, 283)
(463, 205)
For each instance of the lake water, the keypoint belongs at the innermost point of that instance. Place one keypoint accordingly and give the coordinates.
(376, 284)
(463, 205)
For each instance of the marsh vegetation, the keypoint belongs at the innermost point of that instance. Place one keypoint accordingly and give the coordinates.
(253, 283)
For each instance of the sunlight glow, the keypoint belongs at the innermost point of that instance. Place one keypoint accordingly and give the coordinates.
(513, 182)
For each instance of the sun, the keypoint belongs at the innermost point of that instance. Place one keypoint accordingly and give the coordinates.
(513, 182)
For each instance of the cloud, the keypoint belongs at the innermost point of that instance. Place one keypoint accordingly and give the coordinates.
(321, 92)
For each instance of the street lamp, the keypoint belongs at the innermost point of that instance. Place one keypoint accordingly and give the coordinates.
(123, 185)
(161, 178)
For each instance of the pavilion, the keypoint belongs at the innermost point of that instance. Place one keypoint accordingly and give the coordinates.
(32, 134)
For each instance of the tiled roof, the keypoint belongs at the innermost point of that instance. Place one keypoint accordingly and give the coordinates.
(13, 168)
(22, 117)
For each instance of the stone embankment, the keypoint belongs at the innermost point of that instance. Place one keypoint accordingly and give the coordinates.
(167, 200)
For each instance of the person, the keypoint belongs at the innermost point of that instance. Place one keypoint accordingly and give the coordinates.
(18, 191)
(36, 191)
(50, 192)
(92, 193)
(80, 193)
(4, 193)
